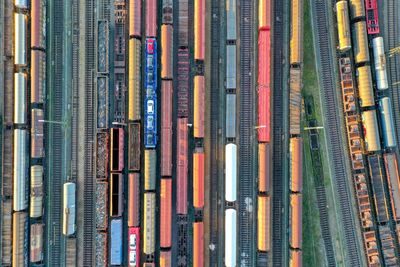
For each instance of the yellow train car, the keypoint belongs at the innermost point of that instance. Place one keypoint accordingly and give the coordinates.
(149, 238)
(365, 89)
(263, 225)
(371, 132)
(150, 160)
(134, 80)
(360, 42)
(357, 8)
(343, 24)
(296, 33)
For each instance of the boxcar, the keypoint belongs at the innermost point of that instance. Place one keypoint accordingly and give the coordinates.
(296, 164)
(38, 76)
(166, 258)
(149, 207)
(135, 18)
(199, 29)
(166, 128)
(198, 244)
(167, 51)
(296, 33)
(263, 167)
(38, 24)
(150, 161)
(263, 223)
(231, 67)
(295, 258)
(116, 242)
(182, 168)
(264, 43)
(151, 18)
(230, 126)
(198, 179)
(134, 79)
(199, 98)
(264, 14)
(166, 213)
(231, 20)
(295, 221)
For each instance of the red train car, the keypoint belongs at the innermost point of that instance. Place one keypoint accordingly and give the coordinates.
(372, 18)
(38, 20)
(117, 149)
(165, 259)
(133, 199)
(166, 213)
(182, 168)
(183, 82)
(198, 244)
(198, 117)
(198, 180)
(166, 51)
(37, 149)
(135, 18)
(38, 76)
(166, 128)
(264, 41)
(199, 29)
(151, 18)
(134, 246)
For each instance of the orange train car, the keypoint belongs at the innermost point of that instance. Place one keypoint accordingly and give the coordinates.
(263, 167)
(198, 117)
(166, 128)
(165, 258)
(295, 258)
(135, 18)
(182, 168)
(296, 164)
(38, 24)
(264, 222)
(198, 179)
(295, 221)
(133, 200)
(264, 14)
(151, 18)
(38, 76)
(166, 51)
(199, 29)
(198, 244)
(166, 213)
(264, 120)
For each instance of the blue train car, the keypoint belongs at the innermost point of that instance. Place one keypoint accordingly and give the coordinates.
(389, 136)
(150, 101)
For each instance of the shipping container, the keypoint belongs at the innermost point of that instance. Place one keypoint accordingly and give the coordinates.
(295, 258)
(230, 131)
(372, 17)
(167, 51)
(357, 9)
(38, 76)
(230, 172)
(392, 175)
(264, 43)
(166, 258)
(20, 49)
(117, 149)
(296, 230)
(116, 194)
(198, 179)
(365, 89)
(263, 167)
(199, 29)
(36, 242)
(101, 194)
(167, 12)
(199, 104)
(20, 166)
(149, 217)
(296, 33)
(38, 24)
(389, 135)
(198, 244)
(378, 188)
(343, 25)
(135, 80)
(264, 223)
(295, 84)
(230, 237)
(135, 18)
(151, 18)
(230, 19)
(134, 147)
(23, 4)
(166, 213)
(20, 239)
(380, 63)
(36, 203)
(116, 242)
(296, 164)
(20, 93)
(150, 160)
(371, 131)
(231, 67)
(360, 42)
(183, 23)
(134, 246)
(182, 168)
(101, 246)
(264, 14)
(102, 153)
(37, 148)
(69, 207)
(134, 200)
(166, 128)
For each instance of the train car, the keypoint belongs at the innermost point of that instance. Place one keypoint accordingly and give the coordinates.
(102, 46)
(117, 149)
(38, 24)
(150, 160)
(183, 81)
(134, 79)
(20, 46)
(296, 221)
(151, 18)
(38, 76)
(199, 107)
(230, 172)
(263, 167)
(372, 18)
(116, 252)
(392, 175)
(230, 119)
(166, 213)
(20, 167)
(134, 147)
(230, 20)
(101, 205)
(295, 258)
(135, 18)
(22, 4)
(116, 194)
(101, 249)
(357, 9)
(230, 237)
(149, 264)
(296, 164)
(378, 188)
(389, 135)
(36, 243)
(264, 14)
(182, 168)
(149, 238)
(166, 258)
(37, 148)
(134, 246)
(365, 89)
(167, 12)
(263, 223)
(296, 33)
(102, 154)
(167, 51)
(264, 119)
(371, 132)
(69, 207)
(295, 84)
(36, 203)
(198, 179)
(166, 128)
(231, 67)
(150, 104)
(360, 42)
(343, 24)
(20, 93)
(6, 232)
(102, 102)
(198, 244)
(183, 23)
(133, 199)
(199, 29)
(20, 239)
(380, 63)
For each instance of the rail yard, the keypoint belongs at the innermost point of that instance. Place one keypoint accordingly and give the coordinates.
(176, 133)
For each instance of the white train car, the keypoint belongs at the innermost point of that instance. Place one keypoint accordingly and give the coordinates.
(19, 98)
(36, 205)
(230, 238)
(21, 4)
(69, 209)
(380, 63)
(230, 172)
(20, 173)
(20, 22)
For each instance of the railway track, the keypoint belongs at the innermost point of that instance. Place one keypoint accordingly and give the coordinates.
(246, 129)
(334, 132)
